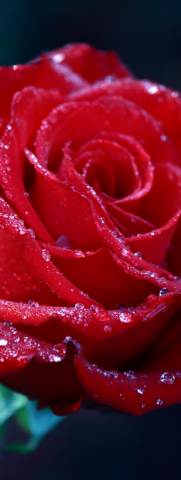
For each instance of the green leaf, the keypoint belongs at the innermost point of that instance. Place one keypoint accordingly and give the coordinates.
(10, 403)
(33, 422)
(37, 423)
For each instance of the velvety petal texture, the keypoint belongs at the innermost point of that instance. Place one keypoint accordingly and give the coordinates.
(90, 234)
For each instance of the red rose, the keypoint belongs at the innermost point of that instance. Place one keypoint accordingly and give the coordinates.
(90, 233)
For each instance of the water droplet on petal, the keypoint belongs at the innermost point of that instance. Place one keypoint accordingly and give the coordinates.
(163, 291)
(107, 328)
(163, 138)
(130, 374)
(32, 303)
(55, 358)
(31, 232)
(150, 274)
(152, 89)
(159, 402)
(46, 254)
(124, 317)
(113, 375)
(125, 251)
(58, 57)
(138, 254)
(168, 378)
(140, 390)
(3, 342)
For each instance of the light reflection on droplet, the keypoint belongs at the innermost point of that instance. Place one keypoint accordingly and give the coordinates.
(46, 255)
(168, 378)
(3, 342)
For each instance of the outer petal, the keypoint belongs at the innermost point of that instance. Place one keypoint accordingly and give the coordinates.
(129, 391)
(90, 63)
(163, 103)
(28, 109)
(110, 338)
(41, 370)
(41, 73)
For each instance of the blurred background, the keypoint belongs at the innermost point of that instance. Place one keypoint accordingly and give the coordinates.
(147, 35)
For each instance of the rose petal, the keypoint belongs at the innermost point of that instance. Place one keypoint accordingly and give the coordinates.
(28, 108)
(88, 62)
(36, 368)
(133, 392)
(17, 282)
(161, 102)
(155, 244)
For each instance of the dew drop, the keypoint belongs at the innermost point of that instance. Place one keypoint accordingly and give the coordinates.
(32, 303)
(113, 375)
(163, 138)
(125, 251)
(46, 255)
(140, 390)
(3, 342)
(124, 317)
(130, 374)
(150, 274)
(107, 328)
(31, 232)
(152, 89)
(137, 254)
(163, 291)
(58, 57)
(55, 358)
(168, 378)
(159, 402)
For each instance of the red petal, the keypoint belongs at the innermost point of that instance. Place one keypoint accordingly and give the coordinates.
(155, 244)
(28, 109)
(55, 209)
(133, 392)
(163, 103)
(90, 63)
(38, 369)
(42, 73)
(16, 280)
(111, 338)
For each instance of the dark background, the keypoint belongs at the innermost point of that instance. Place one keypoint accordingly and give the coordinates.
(147, 35)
